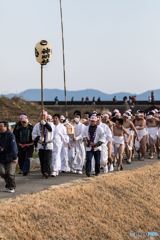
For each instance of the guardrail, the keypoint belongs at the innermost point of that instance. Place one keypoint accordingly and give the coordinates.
(97, 103)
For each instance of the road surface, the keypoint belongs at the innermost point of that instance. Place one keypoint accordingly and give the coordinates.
(35, 183)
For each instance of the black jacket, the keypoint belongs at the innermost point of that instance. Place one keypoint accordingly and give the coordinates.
(8, 147)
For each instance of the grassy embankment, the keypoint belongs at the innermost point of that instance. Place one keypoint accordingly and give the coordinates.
(105, 207)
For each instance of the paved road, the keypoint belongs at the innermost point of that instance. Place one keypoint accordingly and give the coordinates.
(35, 183)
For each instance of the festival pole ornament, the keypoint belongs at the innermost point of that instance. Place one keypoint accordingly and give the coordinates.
(43, 52)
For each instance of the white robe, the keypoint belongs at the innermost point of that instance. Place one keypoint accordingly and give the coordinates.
(49, 136)
(78, 149)
(99, 137)
(108, 138)
(64, 157)
(60, 137)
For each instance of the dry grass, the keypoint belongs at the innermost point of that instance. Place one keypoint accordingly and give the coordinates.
(11, 108)
(104, 207)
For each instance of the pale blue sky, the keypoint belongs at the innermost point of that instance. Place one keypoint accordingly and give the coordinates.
(110, 45)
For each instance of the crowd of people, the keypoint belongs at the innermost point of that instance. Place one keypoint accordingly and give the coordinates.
(91, 143)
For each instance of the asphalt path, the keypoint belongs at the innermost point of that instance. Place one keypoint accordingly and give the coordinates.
(35, 183)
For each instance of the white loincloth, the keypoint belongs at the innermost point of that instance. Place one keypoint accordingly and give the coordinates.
(129, 139)
(153, 132)
(140, 133)
(117, 141)
(158, 133)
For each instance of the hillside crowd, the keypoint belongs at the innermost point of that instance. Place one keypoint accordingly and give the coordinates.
(90, 143)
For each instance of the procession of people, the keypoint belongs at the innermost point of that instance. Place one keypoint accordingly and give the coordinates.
(92, 144)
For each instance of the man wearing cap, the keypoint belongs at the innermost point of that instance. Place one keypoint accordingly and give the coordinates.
(43, 139)
(24, 141)
(8, 157)
(18, 124)
(94, 137)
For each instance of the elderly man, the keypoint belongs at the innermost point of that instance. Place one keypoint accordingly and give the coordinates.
(24, 141)
(43, 138)
(94, 137)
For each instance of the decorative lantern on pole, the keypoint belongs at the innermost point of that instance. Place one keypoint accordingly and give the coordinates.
(43, 52)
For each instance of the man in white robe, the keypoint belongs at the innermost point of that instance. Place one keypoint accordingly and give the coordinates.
(42, 135)
(78, 147)
(60, 138)
(106, 152)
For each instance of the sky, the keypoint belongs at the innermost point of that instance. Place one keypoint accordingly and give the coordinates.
(110, 45)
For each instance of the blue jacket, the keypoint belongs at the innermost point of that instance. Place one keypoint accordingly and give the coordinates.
(8, 147)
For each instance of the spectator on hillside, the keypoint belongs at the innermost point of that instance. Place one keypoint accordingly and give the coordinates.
(152, 97)
(114, 99)
(149, 99)
(125, 99)
(98, 99)
(56, 100)
(132, 100)
(87, 100)
(93, 101)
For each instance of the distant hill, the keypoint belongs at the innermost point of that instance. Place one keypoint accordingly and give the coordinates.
(50, 94)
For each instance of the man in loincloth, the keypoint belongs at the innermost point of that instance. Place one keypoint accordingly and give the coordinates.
(141, 141)
(129, 140)
(152, 123)
(119, 142)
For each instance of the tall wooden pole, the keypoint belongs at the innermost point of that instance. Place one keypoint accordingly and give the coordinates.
(42, 103)
(64, 74)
